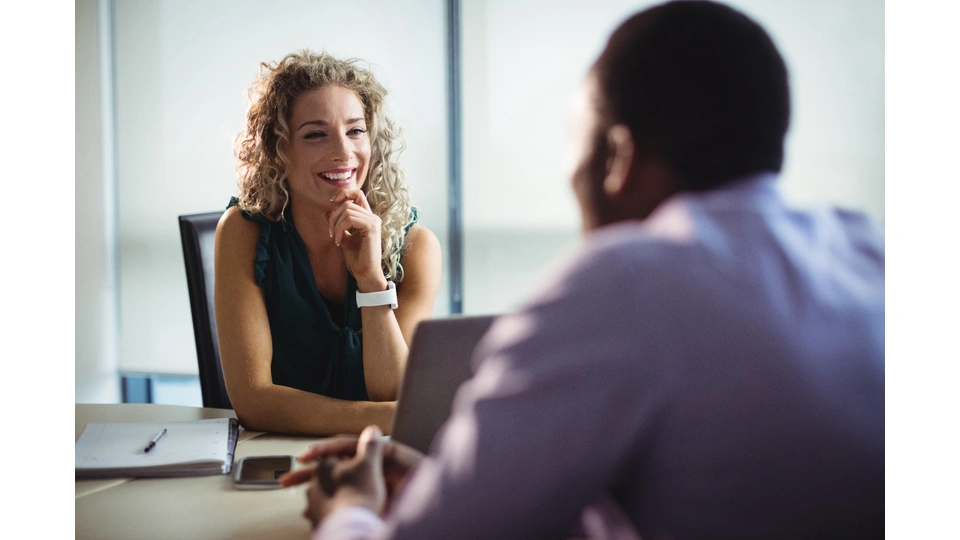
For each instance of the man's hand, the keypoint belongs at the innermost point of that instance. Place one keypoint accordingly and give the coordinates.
(341, 482)
(338, 456)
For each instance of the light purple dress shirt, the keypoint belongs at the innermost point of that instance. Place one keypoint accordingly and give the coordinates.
(715, 371)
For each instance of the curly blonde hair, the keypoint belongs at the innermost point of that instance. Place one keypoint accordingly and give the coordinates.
(263, 167)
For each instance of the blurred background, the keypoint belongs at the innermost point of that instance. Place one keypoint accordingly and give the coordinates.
(161, 92)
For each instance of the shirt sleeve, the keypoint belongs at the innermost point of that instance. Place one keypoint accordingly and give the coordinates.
(351, 523)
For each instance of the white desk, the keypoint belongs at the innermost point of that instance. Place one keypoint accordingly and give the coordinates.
(206, 507)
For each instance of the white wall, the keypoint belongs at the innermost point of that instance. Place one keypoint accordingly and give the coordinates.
(96, 299)
(522, 62)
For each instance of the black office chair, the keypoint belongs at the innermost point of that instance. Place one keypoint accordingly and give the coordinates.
(197, 233)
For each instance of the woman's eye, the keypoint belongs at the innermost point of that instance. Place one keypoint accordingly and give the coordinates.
(356, 131)
(314, 135)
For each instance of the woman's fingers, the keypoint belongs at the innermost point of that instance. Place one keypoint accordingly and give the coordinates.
(351, 218)
(344, 198)
(356, 229)
(354, 195)
(353, 221)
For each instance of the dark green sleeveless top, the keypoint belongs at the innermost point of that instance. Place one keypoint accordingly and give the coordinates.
(313, 349)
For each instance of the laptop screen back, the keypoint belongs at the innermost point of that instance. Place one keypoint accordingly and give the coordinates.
(439, 361)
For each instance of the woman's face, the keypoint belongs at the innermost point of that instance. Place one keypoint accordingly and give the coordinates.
(329, 148)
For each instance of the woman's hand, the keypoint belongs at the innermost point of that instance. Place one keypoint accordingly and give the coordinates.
(356, 229)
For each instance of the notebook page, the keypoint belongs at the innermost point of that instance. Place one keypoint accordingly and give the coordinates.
(121, 444)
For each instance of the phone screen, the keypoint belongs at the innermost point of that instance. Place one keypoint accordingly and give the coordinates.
(264, 469)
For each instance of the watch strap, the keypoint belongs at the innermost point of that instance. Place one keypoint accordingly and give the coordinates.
(381, 298)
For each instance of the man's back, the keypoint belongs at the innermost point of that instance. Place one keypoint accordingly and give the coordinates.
(753, 337)
(716, 371)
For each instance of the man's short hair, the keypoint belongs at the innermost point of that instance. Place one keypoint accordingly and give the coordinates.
(701, 86)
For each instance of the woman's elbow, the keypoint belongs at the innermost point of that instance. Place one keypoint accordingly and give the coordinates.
(382, 393)
(250, 411)
(254, 420)
(247, 417)
(245, 422)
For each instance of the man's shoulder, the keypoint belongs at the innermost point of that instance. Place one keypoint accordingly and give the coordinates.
(861, 228)
(694, 241)
(622, 257)
(662, 241)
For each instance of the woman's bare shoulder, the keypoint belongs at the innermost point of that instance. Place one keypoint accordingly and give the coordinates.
(421, 252)
(421, 235)
(233, 227)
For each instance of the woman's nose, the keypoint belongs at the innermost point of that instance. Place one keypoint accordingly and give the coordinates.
(341, 149)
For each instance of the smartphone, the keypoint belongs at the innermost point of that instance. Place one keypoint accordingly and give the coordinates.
(261, 472)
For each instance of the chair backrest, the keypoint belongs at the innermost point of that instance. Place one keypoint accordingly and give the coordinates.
(197, 234)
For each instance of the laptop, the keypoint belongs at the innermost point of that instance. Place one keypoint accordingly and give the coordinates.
(438, 362)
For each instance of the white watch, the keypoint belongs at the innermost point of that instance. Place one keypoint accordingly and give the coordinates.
(382, 298)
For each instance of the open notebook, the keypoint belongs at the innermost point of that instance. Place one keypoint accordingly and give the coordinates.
(188, 448)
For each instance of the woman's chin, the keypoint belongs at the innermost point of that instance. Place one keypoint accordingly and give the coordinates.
(339, 184)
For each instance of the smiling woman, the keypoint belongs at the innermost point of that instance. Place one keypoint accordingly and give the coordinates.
(322, 272)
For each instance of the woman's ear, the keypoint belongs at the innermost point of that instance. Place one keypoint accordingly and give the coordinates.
(620, 154)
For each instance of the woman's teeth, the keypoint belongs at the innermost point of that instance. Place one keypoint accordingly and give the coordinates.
(337, 176)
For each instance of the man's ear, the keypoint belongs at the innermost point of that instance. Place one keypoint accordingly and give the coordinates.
(620, 154)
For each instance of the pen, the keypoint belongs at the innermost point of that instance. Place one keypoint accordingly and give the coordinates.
(154, 441)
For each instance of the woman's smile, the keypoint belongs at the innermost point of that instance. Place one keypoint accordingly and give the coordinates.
(341, 178)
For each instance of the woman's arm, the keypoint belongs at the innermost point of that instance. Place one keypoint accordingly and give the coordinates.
(387, 333)
(246, 350)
